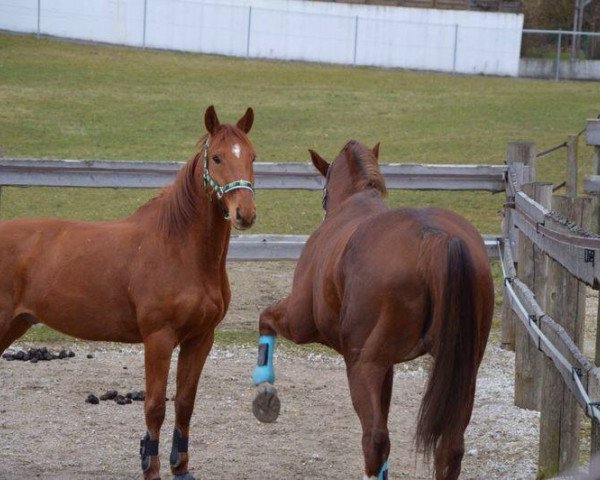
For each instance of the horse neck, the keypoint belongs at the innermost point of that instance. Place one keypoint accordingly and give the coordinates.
(209, 233)
(361, 204)
(205, 236)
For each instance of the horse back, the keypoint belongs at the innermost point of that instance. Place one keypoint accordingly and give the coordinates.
(393, 241)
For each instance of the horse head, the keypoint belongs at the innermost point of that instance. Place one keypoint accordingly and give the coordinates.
(227, 157)
(353, 170)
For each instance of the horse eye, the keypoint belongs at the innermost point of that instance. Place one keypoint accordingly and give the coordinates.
(216, 159)
(253, 158)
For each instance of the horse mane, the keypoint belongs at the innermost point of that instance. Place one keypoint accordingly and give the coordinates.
(179, 201)
(365, 161)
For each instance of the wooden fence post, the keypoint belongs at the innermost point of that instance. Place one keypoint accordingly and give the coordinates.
(571, 182)
(565, 302)
(517, 153)
(592, 136)
(531, 268)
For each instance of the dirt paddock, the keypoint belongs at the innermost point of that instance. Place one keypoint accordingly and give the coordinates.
(47, 431)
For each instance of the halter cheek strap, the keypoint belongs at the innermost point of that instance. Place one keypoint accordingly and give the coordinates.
(325, 195)
(219, 189)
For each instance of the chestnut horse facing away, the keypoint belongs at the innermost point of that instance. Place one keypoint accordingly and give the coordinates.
(383, 286)
(156, 277)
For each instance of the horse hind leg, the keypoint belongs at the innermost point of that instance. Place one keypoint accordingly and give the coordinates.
(371, 389)
(448, 458)
(449, 452)
(12, 328)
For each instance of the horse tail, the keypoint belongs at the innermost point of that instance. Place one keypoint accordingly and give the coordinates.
(454, 337)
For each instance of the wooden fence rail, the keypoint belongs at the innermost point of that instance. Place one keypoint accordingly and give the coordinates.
(284, 175)
(289, 247)
(576, 249)
(536, 321)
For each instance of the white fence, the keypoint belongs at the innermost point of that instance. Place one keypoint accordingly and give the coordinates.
(443, 40)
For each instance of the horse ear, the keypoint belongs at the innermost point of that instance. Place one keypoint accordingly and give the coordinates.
(245, 123)
(319, 162)
(375, 150)
(211, 121)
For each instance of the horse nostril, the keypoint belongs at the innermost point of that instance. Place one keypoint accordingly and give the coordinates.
(237, 214)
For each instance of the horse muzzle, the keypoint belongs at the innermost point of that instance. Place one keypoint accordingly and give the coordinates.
(241, 209)
(243, 219)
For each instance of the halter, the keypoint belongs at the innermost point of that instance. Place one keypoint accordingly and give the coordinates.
(216, 186)
(325, 194)
(324, 198)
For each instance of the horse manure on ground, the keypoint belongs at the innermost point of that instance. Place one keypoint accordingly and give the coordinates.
(35, 355)
(109, 395)
(93, 399)
(134, 395)
(119, 399)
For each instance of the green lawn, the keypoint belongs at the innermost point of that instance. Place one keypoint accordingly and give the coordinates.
(68, 100)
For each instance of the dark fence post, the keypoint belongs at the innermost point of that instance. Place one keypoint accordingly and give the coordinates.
(571, 183)
(565, 302)
(592, 136)
(531, 268)
(517, 154)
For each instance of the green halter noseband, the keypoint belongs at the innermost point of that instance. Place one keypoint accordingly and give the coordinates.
(216, 186)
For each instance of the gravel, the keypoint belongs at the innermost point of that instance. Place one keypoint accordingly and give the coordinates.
(316, 436)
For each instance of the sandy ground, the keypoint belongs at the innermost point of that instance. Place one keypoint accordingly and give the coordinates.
(47, 431)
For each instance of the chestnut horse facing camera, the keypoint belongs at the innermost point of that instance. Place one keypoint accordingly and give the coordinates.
(157, 277)
(383, 286)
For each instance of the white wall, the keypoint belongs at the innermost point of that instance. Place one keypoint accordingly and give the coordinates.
(444, 40)
(293, 35)
(111, 21)
(567, 69)
(19, 15)
(197, 26)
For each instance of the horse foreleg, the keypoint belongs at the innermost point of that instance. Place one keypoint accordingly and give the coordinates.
(291, 318)
(11, 329)
(370, 389)
(190, 363)
(266, 404)
(158, 348)
(271, 321)
(269, 324)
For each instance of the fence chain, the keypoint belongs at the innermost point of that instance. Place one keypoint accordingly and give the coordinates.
(532, 322)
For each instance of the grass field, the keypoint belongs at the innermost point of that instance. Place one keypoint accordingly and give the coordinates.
(69, 100)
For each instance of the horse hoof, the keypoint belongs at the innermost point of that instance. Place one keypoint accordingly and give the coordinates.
(184, 476)
(266, 404)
